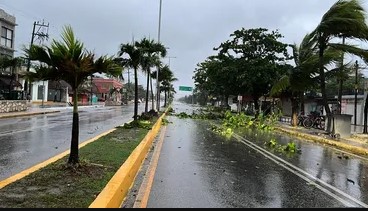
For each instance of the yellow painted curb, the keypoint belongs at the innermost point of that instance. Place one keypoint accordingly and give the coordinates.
(113, 195)
(317, 139)
(47, 162)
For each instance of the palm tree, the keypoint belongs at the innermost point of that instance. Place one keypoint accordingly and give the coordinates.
(133, 61)
(166, 78)
(302, 77)
(150, 58)
(346, 18)
(153, 75)
(69, 61)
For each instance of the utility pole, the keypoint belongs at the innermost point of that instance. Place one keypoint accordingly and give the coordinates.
(158, 68)
(356, 93)
(128, 88)
(40, 34)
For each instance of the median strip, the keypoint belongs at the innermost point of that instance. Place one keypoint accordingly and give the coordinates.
(116, 190)
(55, 185)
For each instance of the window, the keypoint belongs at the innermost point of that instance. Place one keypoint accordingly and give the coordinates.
(40, 92)
(6, 37)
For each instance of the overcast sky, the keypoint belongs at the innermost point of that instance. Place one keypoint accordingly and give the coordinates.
(190, 28)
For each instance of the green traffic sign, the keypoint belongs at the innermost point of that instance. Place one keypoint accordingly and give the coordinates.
(185, 88)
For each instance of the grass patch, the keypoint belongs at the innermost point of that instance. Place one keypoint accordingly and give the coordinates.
(57, 186)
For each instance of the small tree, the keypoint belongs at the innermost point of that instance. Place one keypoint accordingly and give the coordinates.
(150, 58)
(69, 61)
(13, 64)
(133, 61)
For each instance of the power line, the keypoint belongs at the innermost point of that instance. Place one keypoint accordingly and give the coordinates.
(40, 35)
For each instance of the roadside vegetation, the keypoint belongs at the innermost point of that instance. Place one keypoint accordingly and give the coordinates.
(255, 63)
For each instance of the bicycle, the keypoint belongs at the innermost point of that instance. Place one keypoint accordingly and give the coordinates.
(314, 120)
(301, 118)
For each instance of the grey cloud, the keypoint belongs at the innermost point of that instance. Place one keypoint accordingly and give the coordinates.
(191, 28)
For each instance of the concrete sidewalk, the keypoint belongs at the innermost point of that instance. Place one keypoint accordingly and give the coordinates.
(357, 143)
(30, 112)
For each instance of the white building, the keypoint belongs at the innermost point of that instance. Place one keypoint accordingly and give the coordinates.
(7, 34)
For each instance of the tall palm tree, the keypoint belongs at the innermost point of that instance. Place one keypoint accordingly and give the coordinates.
(69, 61)
(150, 58)
(133, 61)
(153, 75)
(166, 78)
(302, 77)
(346, 18)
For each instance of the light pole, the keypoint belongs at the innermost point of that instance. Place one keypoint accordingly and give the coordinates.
(356, 93)
(158, 68)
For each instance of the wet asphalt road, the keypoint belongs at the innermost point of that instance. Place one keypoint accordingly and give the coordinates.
(26, 141)
(198, 168)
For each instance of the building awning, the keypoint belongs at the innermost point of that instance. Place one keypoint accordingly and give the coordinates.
(59, 85)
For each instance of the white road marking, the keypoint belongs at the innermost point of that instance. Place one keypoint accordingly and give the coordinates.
(318, 183)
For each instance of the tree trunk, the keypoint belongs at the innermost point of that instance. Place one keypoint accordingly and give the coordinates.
(74, 148)
(256, 105)
(147, 91)
(11, 80)
(152, 95)
(323, 78)
(341, 83)
(294, 108)
(366, 116)
(226, 100)
(302, 103)
(135, 94)
(165, 99)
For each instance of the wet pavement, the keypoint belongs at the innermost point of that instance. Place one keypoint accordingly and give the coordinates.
(198, 168)
(26, 141)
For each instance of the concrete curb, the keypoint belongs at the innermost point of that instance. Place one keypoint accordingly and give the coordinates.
(113, 195)
(12, 115)
(37, 167)
(318, 139)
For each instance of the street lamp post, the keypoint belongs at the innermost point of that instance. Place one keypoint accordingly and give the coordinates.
(356, 93)
(158, 68)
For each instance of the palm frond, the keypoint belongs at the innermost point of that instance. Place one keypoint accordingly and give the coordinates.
(346, 18)
(281, 85)
(351, 50)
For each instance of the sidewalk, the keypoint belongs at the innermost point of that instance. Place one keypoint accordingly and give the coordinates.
(357, 143)
(30, 112)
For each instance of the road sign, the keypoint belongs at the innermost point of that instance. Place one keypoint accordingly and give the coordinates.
(185, 88)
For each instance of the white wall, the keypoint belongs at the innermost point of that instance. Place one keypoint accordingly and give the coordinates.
(348, 107)
(34, 91)
(286, 107)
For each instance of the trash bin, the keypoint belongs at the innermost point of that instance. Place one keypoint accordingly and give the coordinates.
(339, 124)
